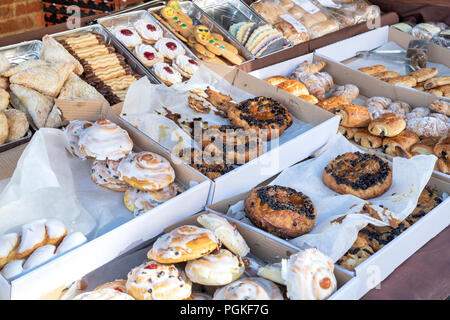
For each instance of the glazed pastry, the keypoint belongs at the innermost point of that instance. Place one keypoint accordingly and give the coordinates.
(364, 138)
(12, 269)
(70, 241)
(154, 281)
(4, 128)
(400, 108)
(212, 167)
(149, 31)
(72, 132)
(146, 171)
(185, 66)
(442, 148)
(167, 74)
(253, 288)
(373, 69)
(39, 256)
(169, 48)
(333, 102)
(148, 55)
(4, 99)
(294, 87)
(349, 133)
(424, 74)
(400, 145)
(436, 82)
(183, 244)
(441, 106)
(215, 269)
(425, 146)
(280, 210)
(365, 176)
(428, 200)
(276, 80)
(127, 35)
(349, 92)
(138, 201)
(407, 81)
(225, 232)
(272, 272)
(359, 252)
(104, 294)
(352, 115)
(105, 174)
(378, 237)
(52, 51)
(387, 125)
(309, 275)
(427, 127)
(8, 247)
(310, 98)
(264, 115)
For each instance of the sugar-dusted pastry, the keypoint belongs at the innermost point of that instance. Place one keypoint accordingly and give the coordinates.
(52, 51)
(441, 106)
(127, 35)
(72, 132)
(418, 112)
(378, 237)
(400, 145)
(104, 140)
(225, 232)
(313, 83)
(4, 63)
(155, 281)
(352, 115)
(4, 99)
(326, 79)
(424, 146)
(280, 210)
(347, 132)
(17, 124)
(103, 294)
(148, 55)
(183, 244)
(373, 69)
(276, 80)
(23, 66)
(252, 288)
(215, 269)
(365, 176)
(364, 138)
(169, 48)
(70, 241)
(56, 231)
(387, 125)
(407, 81)
(166, 73)
(185, 65)
(77, 89)
(428, 200)
(377, 105)
(105, 174)
(333, 102)
(4, 128)
(359, 252)
(427, 127)
(294, 87)
(442, 148)
(424, 74)
(310, 67)
(400, 108)
(8, 247)
(149, 31)
(309, 275)
(39, 256)
(349, 92)
(146, 171)
(436, 82)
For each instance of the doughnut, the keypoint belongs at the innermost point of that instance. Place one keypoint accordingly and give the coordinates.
(105, 174)
(138, 201)
(104, 140)
(146, 171)
(363, 175)
(183, 244)
(104, 294)
(308, 275)
(155, 281)
(238, 145)
(252, 288)
(72, 132)
(212, 167)
(227, 233)
(280, 210)
(215, 269)
(262, 114)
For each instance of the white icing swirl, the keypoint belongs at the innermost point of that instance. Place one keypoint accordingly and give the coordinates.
(33, 233)
(127, 35)
(167, 73)
(105, 173)
(169, 48)
(253, 288)
(148, 30)
(73, 131)
(55, 228)
(186, 64)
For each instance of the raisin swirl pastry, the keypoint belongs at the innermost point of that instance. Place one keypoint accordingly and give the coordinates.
(428, 200)
(280, 210)
(357, 254)
(378, 237)
(211, 165)
(365, 176)
(264, 115)
(105, 174)
(72, 132)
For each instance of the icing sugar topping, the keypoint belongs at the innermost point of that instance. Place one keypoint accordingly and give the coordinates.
(55, 228)
(13, 269)
(32, 234)
(73, 131)
(170, 48)
(105, 172)
(39, 256)
(127, 35)
(186, 64)
(148, 30)
(167, 73)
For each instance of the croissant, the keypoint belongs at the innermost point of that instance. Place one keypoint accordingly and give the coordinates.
(352, 115)
(311, 67)
(333, 102)
(349, 91)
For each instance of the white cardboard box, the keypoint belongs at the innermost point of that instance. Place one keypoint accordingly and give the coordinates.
(52, 276)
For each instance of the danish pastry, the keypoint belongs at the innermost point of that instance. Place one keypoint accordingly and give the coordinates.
(424, 74)
(443, 166)
(428, 200)
(349, 133)
(310, 98)
(276, 80)
(387, 125)
(311, 67)
(294, 87)
(427, 127)
(377, 106)
(418, 112)
(183, 244)
(280, 210)
(148, 55)
(211, 166)
(225, 232)
(155, 281)
(215, 269)
(386, 75)
(436, 82)
(72, 132)
(105, 174)
(333, 102)
(357, 254)
(425, 146)
(104, 294)
(400, 145)
(169, 48)
(378, 237)
(264, 115)
(185, 66)
(365, 176)
(167, 74)
(441, 106)
(4, 128)
(146, 171)
(253, 288)
(314, 84)
(104, 140)
(4, 99)
(349, 92)
(407, 81)
(309, 275)
(149, 31)
(127, 35)
(373, 69)
(352, 115)
(364, 138)
(442, 148)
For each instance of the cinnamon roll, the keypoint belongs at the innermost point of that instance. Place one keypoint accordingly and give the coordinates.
(105, 174)
(253, 288)
(72, 132)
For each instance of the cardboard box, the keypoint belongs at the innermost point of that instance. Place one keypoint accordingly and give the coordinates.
(267, 249)
(72, 265)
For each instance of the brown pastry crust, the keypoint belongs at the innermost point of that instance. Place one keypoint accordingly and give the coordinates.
(310, 98)
(373, 69)
(386, 75)
(428, 200)
(357, 254)
(441, 106)
(442, 148)
(210, 167)
(264, 115)
(363, 175)
(280, 210)
(387, 125)
(443, 166)
(353, 115)
(378, 237)
(349, 92)
(347, 132)
(424, 74)
(425, 146)
(276, 80)
(364, 138)
(436, 82)
(400, 145)
(403, 80)
(333, 102)
(219, 100)
(294, 87)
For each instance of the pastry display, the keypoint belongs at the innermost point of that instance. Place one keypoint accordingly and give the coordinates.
(365, 176)
(280, 210)
(105, 174)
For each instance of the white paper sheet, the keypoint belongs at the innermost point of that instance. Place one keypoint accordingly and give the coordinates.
(409, 178)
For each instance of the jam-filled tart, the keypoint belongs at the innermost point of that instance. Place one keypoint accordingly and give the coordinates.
(363, 175)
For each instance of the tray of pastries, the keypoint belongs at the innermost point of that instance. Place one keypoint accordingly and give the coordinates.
(161, 53)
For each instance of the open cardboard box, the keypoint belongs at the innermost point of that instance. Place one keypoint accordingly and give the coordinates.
(284, 155)
(265, 248)
(48, 279)
(368, 87)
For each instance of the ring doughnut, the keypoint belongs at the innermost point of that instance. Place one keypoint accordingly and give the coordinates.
(105, 174)
(280, 210)
(262, 114)
(363, 175)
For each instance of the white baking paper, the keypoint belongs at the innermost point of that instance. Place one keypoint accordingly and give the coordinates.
(51, 183)
(145, 100)
(409, 178)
